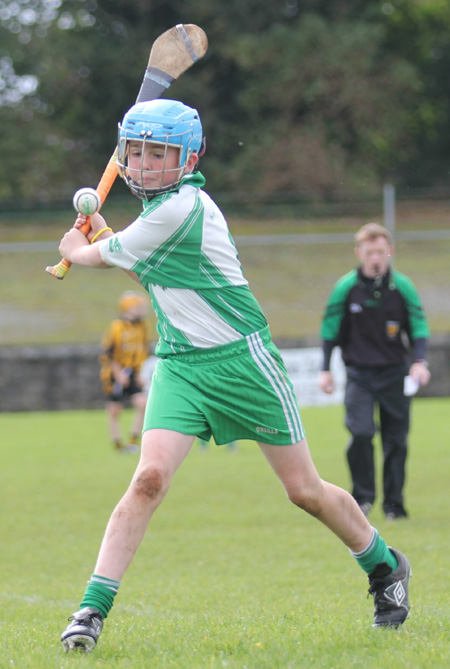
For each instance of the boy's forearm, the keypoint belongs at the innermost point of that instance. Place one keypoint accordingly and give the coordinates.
(89, 256)
(75, 247)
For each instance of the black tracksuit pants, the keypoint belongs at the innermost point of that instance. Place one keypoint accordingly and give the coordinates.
(366, 388)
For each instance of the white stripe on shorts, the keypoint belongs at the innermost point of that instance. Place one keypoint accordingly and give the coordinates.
(269, 367)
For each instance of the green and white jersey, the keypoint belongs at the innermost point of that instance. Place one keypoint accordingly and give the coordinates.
(183, 254)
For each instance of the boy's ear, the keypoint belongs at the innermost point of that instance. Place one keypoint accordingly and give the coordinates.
(191, 163)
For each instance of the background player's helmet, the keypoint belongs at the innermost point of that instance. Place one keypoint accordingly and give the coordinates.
(131, 301)
(164, 122)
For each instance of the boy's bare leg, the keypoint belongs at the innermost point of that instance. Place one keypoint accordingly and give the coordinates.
(388, 570)
(332, 505)
(162, 452)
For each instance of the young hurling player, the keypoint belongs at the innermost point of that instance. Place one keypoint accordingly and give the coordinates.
(211, 330)
(125, 346)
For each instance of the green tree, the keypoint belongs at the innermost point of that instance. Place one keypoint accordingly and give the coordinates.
(420, 33)
(89, 61)
(293, 95)
(320, 105)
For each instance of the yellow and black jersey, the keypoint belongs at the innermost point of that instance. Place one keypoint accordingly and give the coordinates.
(126, 343)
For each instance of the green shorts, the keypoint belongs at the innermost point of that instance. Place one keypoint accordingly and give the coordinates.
(236, 391)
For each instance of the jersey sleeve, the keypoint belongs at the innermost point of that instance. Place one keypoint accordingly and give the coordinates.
(335, 307)
(418, 326)
(114, 250)
(163, 245)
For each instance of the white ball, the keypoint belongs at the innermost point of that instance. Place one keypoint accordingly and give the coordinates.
(87, 201)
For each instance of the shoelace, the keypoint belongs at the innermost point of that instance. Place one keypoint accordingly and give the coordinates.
(378, 579)
(376, 586)
(86, 617)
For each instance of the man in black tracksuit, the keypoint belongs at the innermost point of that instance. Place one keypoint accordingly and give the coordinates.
(374, 314)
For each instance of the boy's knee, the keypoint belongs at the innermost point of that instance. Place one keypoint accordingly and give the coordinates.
(308, 499)
(150, 482)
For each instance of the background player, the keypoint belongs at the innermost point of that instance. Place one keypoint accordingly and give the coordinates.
(219, 373)
(125, 346)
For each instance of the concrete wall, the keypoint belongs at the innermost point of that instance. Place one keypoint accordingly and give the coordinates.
(67, 377)
(49, 378)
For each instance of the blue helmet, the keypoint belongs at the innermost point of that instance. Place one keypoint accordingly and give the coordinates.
(163, 122)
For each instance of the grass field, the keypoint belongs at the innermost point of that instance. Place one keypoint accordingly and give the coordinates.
(230, 574)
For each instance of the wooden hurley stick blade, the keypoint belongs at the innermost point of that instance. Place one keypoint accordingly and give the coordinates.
(173, 52)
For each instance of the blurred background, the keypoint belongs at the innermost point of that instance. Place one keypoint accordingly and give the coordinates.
(310, 109)
(303, 96)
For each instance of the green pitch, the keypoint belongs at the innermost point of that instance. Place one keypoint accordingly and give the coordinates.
(229, 574)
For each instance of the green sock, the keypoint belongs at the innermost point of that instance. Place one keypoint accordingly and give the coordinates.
(376, 552)
(100, 593)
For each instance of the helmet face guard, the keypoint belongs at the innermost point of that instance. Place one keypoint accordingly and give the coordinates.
(164, 124)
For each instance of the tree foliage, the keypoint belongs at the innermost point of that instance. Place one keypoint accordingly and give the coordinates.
(294, 96)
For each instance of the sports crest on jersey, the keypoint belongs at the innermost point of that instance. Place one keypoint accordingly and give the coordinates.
(392, 329)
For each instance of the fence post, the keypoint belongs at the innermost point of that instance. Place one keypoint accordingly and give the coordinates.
(389, 208)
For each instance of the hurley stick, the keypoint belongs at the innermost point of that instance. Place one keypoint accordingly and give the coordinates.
(172, 53)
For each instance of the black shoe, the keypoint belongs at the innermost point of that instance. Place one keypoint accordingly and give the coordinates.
(83, 631)
(390, 592)
(396, 515)
(394, 511)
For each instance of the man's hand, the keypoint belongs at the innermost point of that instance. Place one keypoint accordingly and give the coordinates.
(326, 382)
(420, 373)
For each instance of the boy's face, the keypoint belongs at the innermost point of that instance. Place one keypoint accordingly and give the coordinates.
(374, 256)
(137, 312)
(154, 165)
